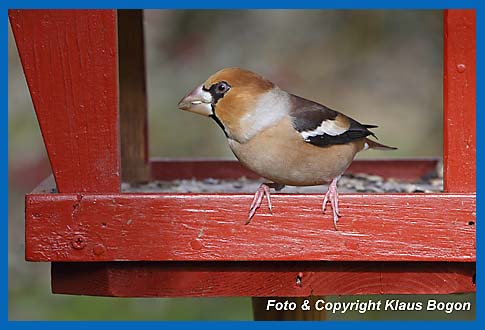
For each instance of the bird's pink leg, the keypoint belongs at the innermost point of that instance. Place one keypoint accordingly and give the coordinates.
(262, 191)
(332, 196)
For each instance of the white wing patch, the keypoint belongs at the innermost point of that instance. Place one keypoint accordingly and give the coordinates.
(328, 127)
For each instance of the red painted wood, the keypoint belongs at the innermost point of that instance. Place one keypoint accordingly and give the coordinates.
(401, 169)
(69, 59)
(210, 227)
(133, 98)
(459, 101)
(260, 279)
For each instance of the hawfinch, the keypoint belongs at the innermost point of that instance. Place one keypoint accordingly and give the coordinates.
(284, 138)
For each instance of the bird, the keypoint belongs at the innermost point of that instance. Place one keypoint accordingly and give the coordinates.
(284, 138)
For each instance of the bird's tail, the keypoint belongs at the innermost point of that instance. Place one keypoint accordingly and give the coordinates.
(375, 145)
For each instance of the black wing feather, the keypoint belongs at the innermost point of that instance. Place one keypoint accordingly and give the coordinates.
(308, 115)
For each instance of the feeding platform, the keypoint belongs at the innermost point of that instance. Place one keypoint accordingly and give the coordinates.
(86, 75)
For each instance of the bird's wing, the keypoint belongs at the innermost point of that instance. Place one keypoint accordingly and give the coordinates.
(322, 126)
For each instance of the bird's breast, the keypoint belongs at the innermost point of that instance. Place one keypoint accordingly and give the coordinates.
(280, 154)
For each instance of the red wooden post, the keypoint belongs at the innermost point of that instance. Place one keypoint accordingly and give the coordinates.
(459, 154)
(133, 99)
(70, 60)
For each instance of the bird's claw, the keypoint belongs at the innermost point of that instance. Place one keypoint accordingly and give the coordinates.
(332, 196)
(262, 191)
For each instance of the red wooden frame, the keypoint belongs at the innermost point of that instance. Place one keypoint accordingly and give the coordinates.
(261, 279)
(69, 59)
(197, 244)
(155, 227)
(459, 154)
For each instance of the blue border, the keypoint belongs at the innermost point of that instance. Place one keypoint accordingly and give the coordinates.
(248, 4)
(355, 4)
(4, 163)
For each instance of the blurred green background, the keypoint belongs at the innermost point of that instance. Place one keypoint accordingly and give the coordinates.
(379, 67)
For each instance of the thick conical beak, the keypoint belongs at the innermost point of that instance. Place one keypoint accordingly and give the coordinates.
(198, 101)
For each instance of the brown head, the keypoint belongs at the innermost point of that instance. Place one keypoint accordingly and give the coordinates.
(228, 96)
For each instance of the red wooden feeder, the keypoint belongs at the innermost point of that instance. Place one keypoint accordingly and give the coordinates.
(88, 90)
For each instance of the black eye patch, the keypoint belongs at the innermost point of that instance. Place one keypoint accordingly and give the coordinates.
(218, 90)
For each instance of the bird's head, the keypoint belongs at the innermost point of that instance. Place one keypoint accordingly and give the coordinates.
(233, 97)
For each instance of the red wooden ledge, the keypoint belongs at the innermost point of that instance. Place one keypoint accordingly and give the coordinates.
(209, 227)
(260, 279)
(86, 230)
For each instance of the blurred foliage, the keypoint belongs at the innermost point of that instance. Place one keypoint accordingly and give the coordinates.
(380, 67)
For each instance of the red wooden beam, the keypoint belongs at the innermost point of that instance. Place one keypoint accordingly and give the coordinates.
(401, 169)
(459, 154)
(133, 98)
(260, 279)
(210, 227)
(70, 61)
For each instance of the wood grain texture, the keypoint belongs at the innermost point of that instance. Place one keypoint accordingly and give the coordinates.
(133, 97)
(210, 227)
(459, 154)
(401, 169)
(260, 279)
(69, 58)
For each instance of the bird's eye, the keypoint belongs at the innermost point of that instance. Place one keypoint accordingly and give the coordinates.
(222, 87)
(218, 90)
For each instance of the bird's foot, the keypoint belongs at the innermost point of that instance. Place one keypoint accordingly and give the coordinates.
(262, 191)
(332, 196)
